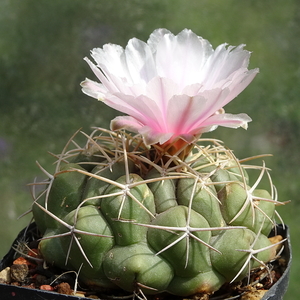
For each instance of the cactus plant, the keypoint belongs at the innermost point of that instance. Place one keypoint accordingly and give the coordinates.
(127, 216)
(156, 211)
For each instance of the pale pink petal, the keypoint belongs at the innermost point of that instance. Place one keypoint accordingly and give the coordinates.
(140, 61)
(242, 82)
(187, 113)
(150, 109)
(156, 36)
(120, 80)
(223, 63)
(124, 88)
(124, 103)
(226, 120)
(192, 89)
(115, 75)
(181, 57)
(93, 89)
(126, 122)
(150, 135)
(105, 82)
(142, 108)
(161, 90)
(111, 59)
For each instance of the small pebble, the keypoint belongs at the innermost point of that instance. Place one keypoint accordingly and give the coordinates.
(255, 295)
(5, 275)
(40, 279)
(23, 261)
(276, 239)
(46, 287)
(64, 288)
(20, 261)
(18, 272)
(79, 294)
(92, 297)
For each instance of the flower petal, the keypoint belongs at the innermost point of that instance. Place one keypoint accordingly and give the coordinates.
(226, 120)
(188, 113)
(93, 89)
(151, 108)
(155, 37)
(142, 108)
(242, 82)
(223, 63)
(153, 137)
(181, 57)
(150, 135)
(111, 60)
(140, 61)
(105, 82)
(126, 122)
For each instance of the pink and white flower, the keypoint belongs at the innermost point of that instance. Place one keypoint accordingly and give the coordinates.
(173, 86)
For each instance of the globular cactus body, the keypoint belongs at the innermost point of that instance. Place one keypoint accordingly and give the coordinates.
(124, 216)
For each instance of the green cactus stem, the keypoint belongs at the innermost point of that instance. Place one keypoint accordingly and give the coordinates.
(130, 217)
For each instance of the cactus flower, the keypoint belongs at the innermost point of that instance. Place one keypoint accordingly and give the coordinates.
(172, 87)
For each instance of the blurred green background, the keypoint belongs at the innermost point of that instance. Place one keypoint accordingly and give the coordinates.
(42, 45)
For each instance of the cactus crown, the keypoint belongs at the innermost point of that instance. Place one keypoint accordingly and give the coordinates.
(149, 219)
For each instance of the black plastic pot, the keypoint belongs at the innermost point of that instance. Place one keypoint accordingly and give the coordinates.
(9, 292)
